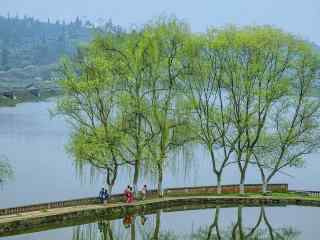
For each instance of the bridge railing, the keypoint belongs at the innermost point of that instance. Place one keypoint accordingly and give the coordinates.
(307, 193)
(232, 188)
(249, 188)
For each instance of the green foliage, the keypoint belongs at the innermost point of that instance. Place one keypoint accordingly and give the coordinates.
(238, 78)
(141, 96)
(87, 145)
(167, 39)
(90, 96)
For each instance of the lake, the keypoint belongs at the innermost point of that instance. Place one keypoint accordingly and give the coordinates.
(34, 144)
(258, 223)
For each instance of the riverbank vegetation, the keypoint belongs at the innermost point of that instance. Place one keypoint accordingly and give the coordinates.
(136, 98)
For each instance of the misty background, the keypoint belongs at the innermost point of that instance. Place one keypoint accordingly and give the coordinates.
(296, 16)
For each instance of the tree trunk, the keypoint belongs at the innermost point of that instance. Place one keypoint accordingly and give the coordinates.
(160, 180)
(219, 187)
(110, 186)
(110, 180)
(264, 180)
(136, 177)
(241, 187)
(264, 186)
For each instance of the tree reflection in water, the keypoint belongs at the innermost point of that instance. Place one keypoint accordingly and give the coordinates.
(262, 229)
(141, 227)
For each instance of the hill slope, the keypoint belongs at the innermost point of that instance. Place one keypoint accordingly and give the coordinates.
(28, 41)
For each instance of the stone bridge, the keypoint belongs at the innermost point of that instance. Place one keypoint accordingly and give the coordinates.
(46, 216)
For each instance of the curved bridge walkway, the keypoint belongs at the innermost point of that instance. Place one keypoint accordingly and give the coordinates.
(69, 213)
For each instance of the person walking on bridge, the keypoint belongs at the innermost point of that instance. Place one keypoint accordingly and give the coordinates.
(144, 192)
(130, 195)
(105, 196)
(102, 195)
(126, 193)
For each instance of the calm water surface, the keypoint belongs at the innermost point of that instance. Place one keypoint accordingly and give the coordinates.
(258, 223)
(34, 144)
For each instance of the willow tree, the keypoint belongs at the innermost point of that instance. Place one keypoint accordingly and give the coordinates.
(166, 52)
(293, 128)
(256, 64)
(205, 90)
(90, 89)
(131, 69)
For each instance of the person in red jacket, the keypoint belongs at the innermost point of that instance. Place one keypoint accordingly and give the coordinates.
(125, 193)
(130, 195)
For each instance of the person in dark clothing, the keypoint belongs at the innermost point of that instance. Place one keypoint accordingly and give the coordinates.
(102, 195)
(106, 196)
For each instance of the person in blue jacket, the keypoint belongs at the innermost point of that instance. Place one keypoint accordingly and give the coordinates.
(102, 195)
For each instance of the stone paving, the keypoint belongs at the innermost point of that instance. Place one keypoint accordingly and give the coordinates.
(63, 210)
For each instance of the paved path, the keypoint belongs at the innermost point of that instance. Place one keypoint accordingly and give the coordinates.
(52, 218)
(64, 210)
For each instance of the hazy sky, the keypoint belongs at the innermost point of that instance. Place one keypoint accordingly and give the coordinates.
(298, 16)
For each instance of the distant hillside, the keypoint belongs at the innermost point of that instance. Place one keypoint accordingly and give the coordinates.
(30, 50)
(28, 41)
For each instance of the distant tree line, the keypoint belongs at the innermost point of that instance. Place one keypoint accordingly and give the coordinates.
(136, 98)
(28, 41)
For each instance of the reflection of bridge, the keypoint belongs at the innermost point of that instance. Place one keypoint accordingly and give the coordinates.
(174, 200)
(238, 229)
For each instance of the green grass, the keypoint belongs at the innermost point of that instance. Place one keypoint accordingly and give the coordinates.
(281, 195)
